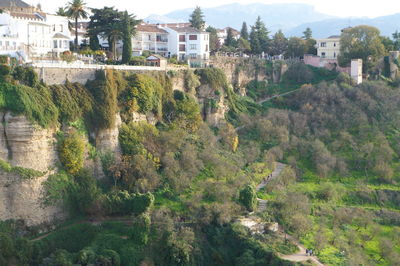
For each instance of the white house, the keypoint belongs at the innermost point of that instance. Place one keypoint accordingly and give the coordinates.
(188, 43)
(328, 48)
(26, 31)
(151, 38)
(223, 34)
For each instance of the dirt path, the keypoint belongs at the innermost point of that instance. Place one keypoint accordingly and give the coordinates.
(301, 254)
(256, 224)
(274, 96)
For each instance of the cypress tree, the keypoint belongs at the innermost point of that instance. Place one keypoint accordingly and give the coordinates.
(243, 32)
(126, 39)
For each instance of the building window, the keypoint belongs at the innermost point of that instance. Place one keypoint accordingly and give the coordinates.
(334, 44)
(323, 54)
(149, 37)
(55, 44)
(193, 56)
(193, 47)
(323, 44)
(334, 55)
(206, 47)
(61, 28)
(193, 37)
(182, 48)
(182, 38)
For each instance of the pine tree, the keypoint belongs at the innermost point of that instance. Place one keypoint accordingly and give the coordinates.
(279, 43)
(259, 39)
(244, 32)
(307, 34)
(230, 40)
(196, 19)
(126, 38)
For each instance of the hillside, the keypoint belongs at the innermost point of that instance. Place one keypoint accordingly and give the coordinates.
(138, 173)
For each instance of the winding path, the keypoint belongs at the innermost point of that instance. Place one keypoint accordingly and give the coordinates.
(256, 224)
(275, 96)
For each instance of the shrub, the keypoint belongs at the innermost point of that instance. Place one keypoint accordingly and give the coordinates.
(4, 71)
(133, 135)
(71, 150)
(215, 77)
(298, 73)
(35, 103)
(248, 197)
(24, 173)
(123, 203)
(26, 76)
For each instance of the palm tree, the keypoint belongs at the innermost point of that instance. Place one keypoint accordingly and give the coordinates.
(76, 10)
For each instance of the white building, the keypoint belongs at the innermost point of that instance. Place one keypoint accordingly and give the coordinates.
(223, 34)
(150, 38)
(188, 43)
(328, 48)
(26, 31)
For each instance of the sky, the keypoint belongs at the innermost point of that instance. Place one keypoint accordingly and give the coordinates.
(143, 8)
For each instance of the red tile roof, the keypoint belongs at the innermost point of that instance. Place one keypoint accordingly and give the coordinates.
(149, 28)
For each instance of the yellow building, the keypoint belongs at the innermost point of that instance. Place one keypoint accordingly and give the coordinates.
(328, 48)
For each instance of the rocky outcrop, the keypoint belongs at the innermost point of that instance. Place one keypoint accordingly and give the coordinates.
(21, 199)
(213, 104)
(26, 145)
(107, 139)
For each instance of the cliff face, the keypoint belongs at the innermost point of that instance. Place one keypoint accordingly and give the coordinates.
(26, 145)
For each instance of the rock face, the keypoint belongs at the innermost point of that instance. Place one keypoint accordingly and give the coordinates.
(107, 139)
(21, 199)
(213, 113)
(26, 145)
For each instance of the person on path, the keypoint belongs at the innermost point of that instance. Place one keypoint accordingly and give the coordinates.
(306, 251)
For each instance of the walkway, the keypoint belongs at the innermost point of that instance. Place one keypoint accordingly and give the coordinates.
(275, 96)
(256, 225)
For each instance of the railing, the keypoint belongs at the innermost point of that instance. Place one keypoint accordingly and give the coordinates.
(162, 49)
(10, 48)
(81, 65)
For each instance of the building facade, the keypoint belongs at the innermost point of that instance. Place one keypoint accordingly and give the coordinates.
(150, 38)
(188, 43)
(328, 48)
(222, 34)
(27, 32)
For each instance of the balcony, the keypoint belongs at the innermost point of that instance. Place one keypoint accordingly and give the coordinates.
(165, 49)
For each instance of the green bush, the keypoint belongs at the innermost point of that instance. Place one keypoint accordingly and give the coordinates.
(26, 76)
(123, 203)
(248, 198)
(298, 73)
(71, 150)
(104, 89)
(215, 77)
(133, 135)
(24, 173)
(4, 71)
(35, 103)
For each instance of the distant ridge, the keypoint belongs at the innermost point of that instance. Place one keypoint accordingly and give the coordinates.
(293, 19)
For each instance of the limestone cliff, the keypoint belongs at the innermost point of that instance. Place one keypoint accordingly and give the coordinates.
(25, 145)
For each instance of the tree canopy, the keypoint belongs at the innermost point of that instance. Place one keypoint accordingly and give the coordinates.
(197, 19)
(259, 39)
(361, 42)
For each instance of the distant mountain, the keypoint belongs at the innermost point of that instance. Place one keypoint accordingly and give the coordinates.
(275, 16)
(325, 28)
(153, 18)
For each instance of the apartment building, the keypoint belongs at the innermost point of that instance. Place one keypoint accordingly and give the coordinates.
(150, 38)
(26, 31)
(187, 42)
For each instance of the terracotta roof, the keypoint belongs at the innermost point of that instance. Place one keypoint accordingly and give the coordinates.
(40, 16)
(14, 3)
(149, 28)
(334, 37)
(60, 36)
(183, 24)
(186, 30)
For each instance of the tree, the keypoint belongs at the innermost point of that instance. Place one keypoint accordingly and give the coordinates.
(279, 43)
(230, 40)
(296, 47)
(244, 45)
(360, 42)
(127, 38)
(197, 19)
(61, 11)
(307, 34)
(396, 40)
(244, 32)
(259, 40)
(248, 197)
(76, 10)
(214, 42)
